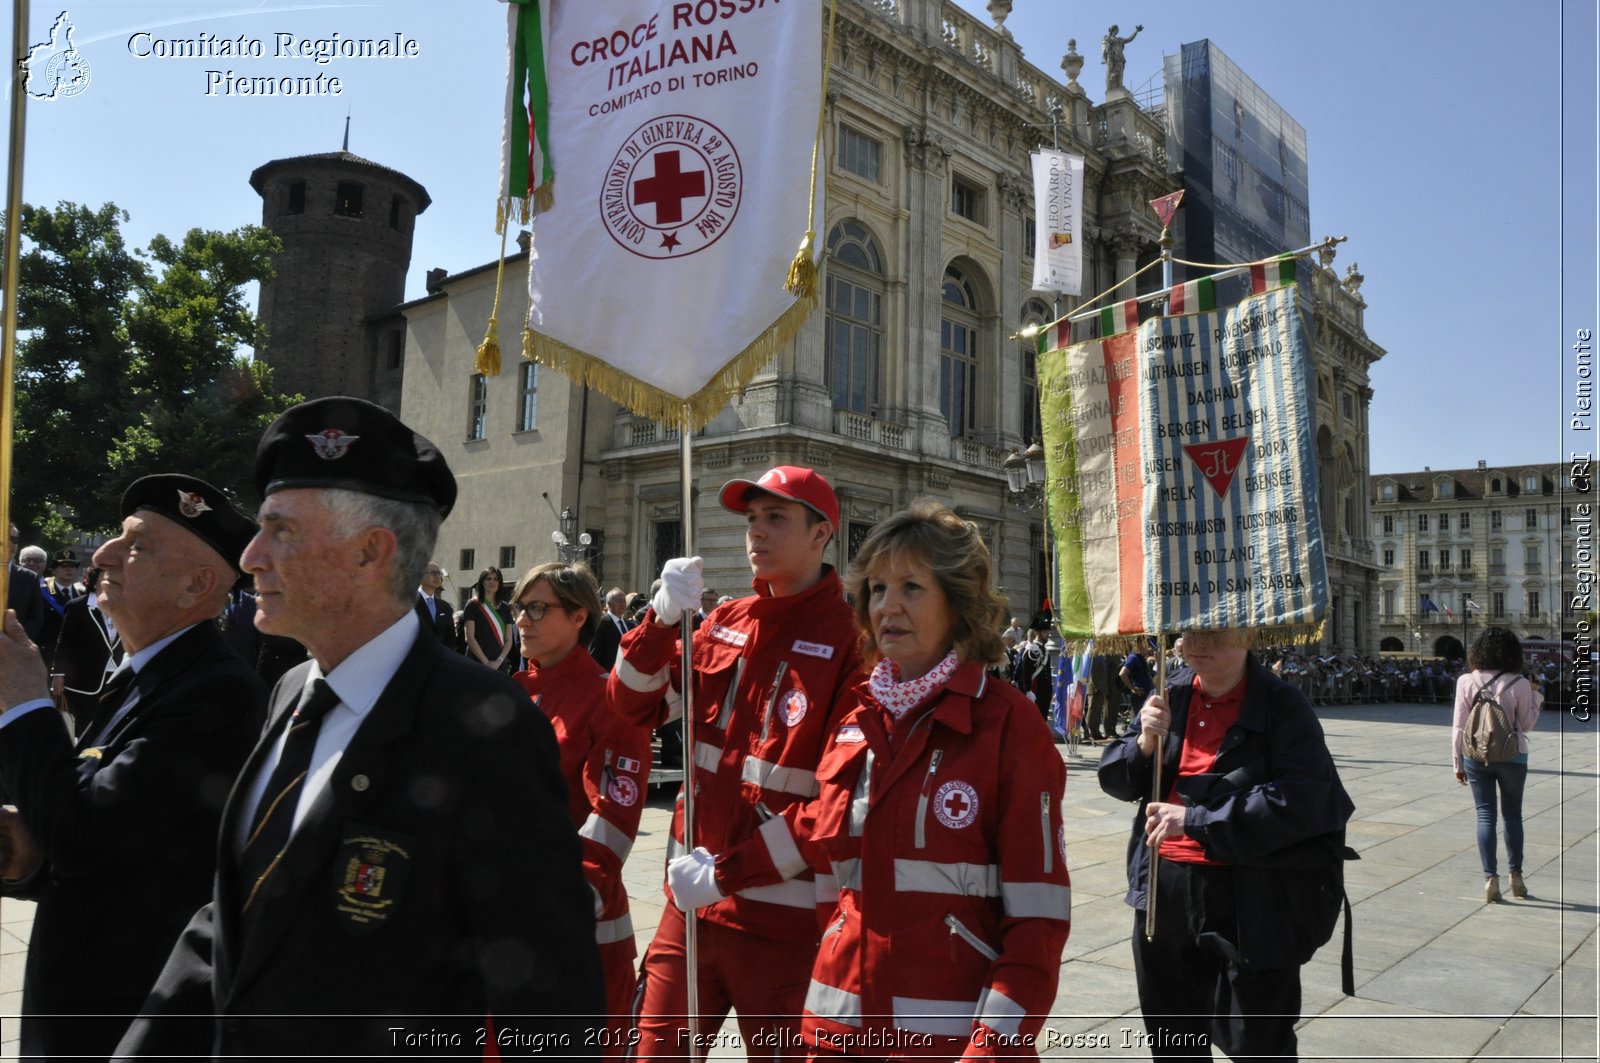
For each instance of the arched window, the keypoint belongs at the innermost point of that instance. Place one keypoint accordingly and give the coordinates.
(1034, 312)
(853, 343)
(958, 353)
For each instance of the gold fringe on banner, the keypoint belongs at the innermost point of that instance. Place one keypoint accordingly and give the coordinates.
(652, 402)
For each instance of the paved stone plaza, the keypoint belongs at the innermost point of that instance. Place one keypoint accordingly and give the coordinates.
(1439, 974)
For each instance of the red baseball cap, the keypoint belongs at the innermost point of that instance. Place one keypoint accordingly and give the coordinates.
(805, 486)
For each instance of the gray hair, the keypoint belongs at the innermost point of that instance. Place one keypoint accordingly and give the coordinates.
(415, 526)
(32, 553)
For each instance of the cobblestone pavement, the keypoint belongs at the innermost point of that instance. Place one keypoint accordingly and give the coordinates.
(1440, 975)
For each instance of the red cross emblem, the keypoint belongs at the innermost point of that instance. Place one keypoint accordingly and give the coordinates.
(670, 186)
(955, 804)
(673, 188)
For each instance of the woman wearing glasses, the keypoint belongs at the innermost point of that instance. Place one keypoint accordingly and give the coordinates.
(605, 760)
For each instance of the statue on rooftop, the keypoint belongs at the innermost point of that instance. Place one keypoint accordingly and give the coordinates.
(1111, 54)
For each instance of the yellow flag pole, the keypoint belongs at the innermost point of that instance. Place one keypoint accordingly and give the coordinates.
(13, 251)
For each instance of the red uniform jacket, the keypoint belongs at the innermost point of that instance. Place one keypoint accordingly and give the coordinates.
(606, 762)
(768, 672)
(946, 845)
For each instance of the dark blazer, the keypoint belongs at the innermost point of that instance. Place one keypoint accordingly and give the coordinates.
(437, 875)
(81, 652)
(603, 647)
(23, 595)
(128, 826)
(442, 622)
(1279, 820)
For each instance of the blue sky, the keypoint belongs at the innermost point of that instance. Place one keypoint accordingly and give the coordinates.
(1452, 143)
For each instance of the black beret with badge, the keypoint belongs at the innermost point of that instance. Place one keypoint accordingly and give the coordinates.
(195, 506)
(356, 445)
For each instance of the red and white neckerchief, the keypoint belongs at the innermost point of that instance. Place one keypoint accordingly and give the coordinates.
(899, 698)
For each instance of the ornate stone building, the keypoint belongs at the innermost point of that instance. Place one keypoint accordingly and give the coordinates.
(1497, 536)
(907, 381)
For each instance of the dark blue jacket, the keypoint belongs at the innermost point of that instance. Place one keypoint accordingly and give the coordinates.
(1275, 810)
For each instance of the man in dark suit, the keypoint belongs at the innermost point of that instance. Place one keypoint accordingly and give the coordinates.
(116, 838)
(55, 591)
(434, 612)
(87, 652)
(22, 591)
(614, 623)
(396, 859)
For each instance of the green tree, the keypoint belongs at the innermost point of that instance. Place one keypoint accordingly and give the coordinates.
(128, 364)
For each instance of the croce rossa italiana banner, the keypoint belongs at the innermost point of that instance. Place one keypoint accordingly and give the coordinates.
(1182, 482)
(680, 142)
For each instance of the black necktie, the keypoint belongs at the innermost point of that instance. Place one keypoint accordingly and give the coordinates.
(112, 694)
(269, 832)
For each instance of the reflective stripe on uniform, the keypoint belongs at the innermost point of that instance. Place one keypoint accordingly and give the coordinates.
(674, 705)
(634, 679)
(942, 1018)
(771, 776)
(599, 830)
(781, 847)
(609, 931)
(849, 873)
(1036, 900)
(962, 880)
(835, 1005)
(795, 893)
(674, 848)
(1000, 1013)
(827, 888)
(859, 798)
(706, 756)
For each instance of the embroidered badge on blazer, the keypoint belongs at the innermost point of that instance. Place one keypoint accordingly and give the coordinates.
(370, 874)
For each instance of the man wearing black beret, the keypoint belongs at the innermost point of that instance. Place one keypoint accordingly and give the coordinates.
(115, 837)
(397, 860)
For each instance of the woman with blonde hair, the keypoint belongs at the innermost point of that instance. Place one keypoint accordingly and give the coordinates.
(938, 819)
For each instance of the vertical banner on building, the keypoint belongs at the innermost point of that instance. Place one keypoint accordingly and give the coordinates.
(1058, 222)
(1184, 451)
(673, 210)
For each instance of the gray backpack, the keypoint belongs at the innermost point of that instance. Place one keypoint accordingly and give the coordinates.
(1490, 736)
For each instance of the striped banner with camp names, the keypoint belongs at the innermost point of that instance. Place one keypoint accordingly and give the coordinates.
(1182, 476)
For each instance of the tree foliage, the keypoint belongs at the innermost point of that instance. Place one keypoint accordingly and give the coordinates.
(128, 364)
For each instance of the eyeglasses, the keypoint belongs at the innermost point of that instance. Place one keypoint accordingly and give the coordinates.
(532, 610)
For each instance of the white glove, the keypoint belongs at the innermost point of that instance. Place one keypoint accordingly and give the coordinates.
(693, 879)
(682, 580)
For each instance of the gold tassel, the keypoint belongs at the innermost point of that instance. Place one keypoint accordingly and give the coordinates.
(802, 279)
(544, 197)
(803, 270)
(487, 361)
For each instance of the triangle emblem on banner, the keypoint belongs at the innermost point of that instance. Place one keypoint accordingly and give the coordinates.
(1167, 206)
(1218, 461)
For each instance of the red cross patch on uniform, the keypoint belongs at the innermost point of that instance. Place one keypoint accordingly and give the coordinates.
(623, 790)
(793, 707)
(955, 804)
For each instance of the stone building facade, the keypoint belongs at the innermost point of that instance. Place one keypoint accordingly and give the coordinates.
(1497, 536)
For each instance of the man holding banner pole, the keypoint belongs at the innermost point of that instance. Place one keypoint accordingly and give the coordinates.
(1250, 835)
(767, 670)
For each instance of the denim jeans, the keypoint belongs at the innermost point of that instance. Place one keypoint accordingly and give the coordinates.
(1509, 776)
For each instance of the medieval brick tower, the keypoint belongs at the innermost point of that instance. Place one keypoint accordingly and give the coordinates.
(346, 226)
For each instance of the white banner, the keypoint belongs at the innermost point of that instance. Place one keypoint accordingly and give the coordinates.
(1058, 222)
(681, 139)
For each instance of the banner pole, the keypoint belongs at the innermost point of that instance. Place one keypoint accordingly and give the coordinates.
(13, 251)
(1155, 795)
(686, 665)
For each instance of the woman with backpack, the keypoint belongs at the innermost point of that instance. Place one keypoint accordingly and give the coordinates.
(1496, 706)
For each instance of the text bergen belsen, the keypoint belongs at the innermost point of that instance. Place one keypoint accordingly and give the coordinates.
(319, 50)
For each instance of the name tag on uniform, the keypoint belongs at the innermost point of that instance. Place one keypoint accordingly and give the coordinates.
(849, 735)
(814, 649)
(728, 635)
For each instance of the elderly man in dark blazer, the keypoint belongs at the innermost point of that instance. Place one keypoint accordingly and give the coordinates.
(22, 591)
(115, 836)
(434, 612)
(397, 867)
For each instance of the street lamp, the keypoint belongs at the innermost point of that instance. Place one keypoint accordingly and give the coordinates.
(1025, 477)
(568, 551)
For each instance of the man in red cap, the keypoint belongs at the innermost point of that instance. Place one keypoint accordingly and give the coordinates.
(767, 671)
